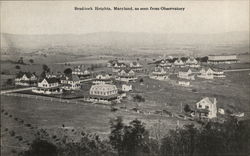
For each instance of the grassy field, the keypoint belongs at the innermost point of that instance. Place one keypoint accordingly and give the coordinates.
(52, 115)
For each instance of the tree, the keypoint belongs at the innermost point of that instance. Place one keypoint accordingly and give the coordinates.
(139, 98)
(31, 60)
(20, 61)
(67, 71)
(204, 59)
(9, 82)
(41, 148)
(46, 68)
(141, 80)
(116, 135)
(128, 139)
(18, 67)
(187, 108)
(135, 138)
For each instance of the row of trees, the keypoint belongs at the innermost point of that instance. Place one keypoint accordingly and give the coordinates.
(209, 139)
(21, 61)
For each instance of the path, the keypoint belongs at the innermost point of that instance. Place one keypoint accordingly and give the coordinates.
(16, 90)
(235, 70)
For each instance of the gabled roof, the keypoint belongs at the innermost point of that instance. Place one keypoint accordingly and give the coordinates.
(184, 69)
(120, 63)
(51, 80)
(71, 78)
(209, 100)
(28, 74)
(127, 70)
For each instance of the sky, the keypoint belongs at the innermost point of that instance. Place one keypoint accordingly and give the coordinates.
(43, 17)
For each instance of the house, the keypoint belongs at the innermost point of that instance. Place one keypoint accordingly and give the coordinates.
(103, 78)
(218, 73)
(48, 86)
(126, 75)
(226, 59)
(159, 74)
(136, 66)
(207, 107)
(208, 73)
(165, 63)
(184, 83)
(51, 75)
(79, 71)
(119, 66)
(186, 73)
(179, 63)
(111, 63)
(103, 93)
(126, 88)
(192, 62)
(71, 82)
(26, 79)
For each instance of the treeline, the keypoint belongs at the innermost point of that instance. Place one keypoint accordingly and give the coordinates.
(230, 138)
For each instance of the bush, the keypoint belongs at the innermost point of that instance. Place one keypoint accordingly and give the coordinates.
(139, 98)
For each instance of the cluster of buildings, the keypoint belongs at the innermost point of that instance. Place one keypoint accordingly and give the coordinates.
(102, 90)
(103, 87)
(51, 83)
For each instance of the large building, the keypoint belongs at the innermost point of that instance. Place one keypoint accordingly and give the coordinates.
(103, 93)
(217, 59)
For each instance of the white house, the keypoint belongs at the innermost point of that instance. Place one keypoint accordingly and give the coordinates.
(118, 66)
(103, 78)
(126, 75)
(179, 62)
(135, 66)
(71, 82)
(111, 63)
(186, 73)
(184, 83)
(192, 62)
(26, 79)
(206, 73)
(165, 63)
(126, 88)
(159, 74)
(48, 86)
(79, 71)
(207, 107)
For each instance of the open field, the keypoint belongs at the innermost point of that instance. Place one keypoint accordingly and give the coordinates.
(51, 115)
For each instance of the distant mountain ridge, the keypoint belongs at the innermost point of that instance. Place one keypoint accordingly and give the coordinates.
(121, 40)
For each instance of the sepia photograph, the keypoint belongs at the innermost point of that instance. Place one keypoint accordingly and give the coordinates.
(125, 78)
